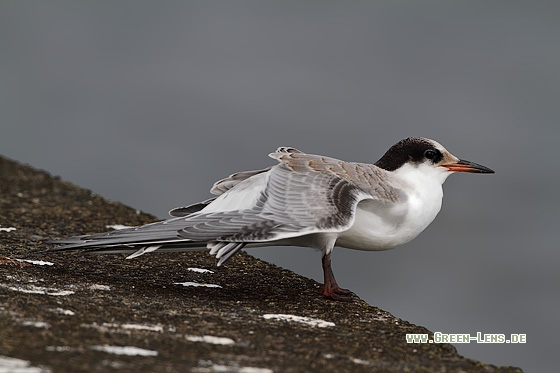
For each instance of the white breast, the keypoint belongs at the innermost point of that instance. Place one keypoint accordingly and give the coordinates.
(382, 226)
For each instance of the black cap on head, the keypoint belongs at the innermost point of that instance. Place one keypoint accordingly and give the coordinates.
(412, 149)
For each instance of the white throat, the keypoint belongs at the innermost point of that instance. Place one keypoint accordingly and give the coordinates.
(423, 185)
(422, 177)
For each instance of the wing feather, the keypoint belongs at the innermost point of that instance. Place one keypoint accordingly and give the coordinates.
(303, 194)
(190, 209)
(292, 204)
(369, 178)
(223, 185)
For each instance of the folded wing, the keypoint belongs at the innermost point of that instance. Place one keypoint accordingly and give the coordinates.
(301, 195)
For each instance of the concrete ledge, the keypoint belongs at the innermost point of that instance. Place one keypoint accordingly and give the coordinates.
(66, 312)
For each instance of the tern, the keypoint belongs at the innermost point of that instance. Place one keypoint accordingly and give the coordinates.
(305, 200)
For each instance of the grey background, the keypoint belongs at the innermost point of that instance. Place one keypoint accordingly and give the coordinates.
(149, 103)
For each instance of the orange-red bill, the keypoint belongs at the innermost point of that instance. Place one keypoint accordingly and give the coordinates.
(466, 166)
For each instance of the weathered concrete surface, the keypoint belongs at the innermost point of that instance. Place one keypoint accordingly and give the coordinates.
(65, 317)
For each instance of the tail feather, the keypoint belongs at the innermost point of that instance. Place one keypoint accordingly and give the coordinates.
(160, 236)
(162, 232)
(141, 250)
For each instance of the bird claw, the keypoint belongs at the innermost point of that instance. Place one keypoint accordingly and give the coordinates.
(338, 293)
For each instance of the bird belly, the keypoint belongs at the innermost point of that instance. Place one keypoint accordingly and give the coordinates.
(378, 228)
(370, 232)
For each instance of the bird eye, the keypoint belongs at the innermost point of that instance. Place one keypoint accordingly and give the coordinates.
(430, 154)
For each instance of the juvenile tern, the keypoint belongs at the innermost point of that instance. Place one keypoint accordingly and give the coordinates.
(304, 200)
